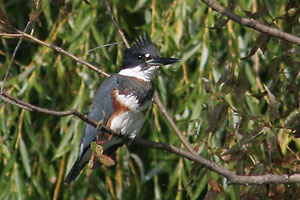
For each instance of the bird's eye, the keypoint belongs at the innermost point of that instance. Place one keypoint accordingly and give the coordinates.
(144, 56)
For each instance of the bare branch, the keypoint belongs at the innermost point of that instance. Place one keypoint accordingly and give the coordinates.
(232, 178)
(180, 136)
(21, 104)
(251, 23)
(13, 56)
(56, 48)
(113, 19)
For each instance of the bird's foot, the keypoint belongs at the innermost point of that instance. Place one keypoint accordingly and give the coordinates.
(99, 127)
(99, 132)
(103, 141)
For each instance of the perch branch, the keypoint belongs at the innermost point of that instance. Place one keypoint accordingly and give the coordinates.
(252, 23)
(232, 178)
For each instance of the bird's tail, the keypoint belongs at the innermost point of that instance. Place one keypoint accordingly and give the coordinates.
(83, 160)
(74, 172)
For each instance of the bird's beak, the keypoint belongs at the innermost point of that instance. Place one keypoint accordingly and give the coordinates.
(162, 61)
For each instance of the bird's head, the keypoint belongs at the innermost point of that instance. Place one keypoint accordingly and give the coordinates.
(142, 60)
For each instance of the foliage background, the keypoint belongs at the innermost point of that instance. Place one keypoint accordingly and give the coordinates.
(241, 113)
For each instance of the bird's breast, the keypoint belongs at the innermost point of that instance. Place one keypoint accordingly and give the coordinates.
(128, 117)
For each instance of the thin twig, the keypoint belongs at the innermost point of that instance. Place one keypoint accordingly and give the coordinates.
(21, 104)
(56, 48)
(113, 19)
(93, 49)
(13, 56)
(60, 177)
(164, 111)
(251, 23)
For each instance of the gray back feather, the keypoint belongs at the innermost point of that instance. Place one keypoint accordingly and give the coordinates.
(102, 109)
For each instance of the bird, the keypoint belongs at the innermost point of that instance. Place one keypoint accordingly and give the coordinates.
(121, 102)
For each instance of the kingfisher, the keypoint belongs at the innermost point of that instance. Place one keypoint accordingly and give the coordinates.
(121, 102)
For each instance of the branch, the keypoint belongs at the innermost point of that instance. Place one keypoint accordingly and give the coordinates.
(251, 23)
(232, 178)
(14, 55)
(56, 48)
(180, 136)
(21, 104)
(113, 19)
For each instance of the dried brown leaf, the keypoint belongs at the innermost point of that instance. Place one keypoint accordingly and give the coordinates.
(106, 160)
(215, 186)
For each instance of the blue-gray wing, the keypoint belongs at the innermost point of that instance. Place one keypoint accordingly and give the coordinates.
(102, 109)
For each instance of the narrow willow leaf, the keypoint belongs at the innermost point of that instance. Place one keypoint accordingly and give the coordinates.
(154, 171)
(217, 116)
(191, 51)
(19, 184)
(139, 163)
(248, 138)
(25, 158)
(273, 105)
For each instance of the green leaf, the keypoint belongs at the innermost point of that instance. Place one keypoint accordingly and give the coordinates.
(217, 116)
(25, 158)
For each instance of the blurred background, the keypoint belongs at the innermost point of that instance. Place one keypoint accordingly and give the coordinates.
(234, 95)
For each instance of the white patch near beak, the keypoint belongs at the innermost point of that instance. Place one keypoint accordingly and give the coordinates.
(137, 72)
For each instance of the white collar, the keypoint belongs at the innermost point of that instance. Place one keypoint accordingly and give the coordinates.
(138, 72)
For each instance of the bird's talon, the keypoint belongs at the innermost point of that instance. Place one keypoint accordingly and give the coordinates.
(98, 131)
(99, 126)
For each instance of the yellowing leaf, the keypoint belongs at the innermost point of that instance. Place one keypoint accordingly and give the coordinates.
(106, 160)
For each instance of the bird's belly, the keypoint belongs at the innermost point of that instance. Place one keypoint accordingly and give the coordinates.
(128, 123)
